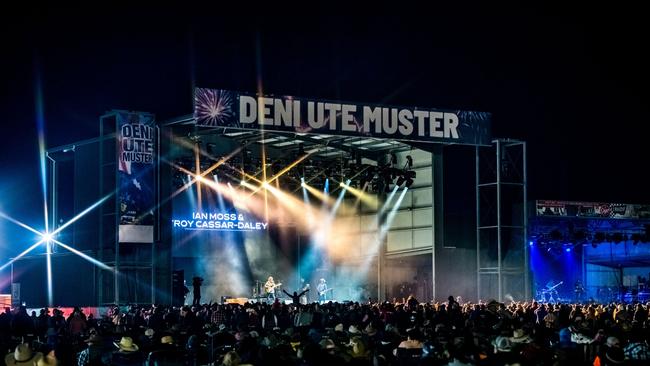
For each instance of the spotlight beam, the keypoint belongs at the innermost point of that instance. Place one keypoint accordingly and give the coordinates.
(320, 195)
(84, 256)
(368, 199)
(26, 251)
(280, 173)
(40, 128)
(81, 214)
(385, 226)
(50, 293)
(388, 200)
(339, 199)
(25, 226)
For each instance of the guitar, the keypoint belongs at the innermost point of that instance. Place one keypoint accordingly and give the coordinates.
(321, 293)
(268, 289)
(553, 288)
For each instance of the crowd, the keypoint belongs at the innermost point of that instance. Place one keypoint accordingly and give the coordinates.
(388, 333)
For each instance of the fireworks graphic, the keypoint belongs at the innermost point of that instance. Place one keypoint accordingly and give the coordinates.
(213, 108)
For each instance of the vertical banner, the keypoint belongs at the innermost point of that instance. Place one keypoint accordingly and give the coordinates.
(136, 137)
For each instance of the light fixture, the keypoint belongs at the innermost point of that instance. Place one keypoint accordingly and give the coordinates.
(400, 180)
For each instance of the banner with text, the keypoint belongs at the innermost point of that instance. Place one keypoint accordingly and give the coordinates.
(136, 137)
(221, 221)
(592, 210)
(224, 108)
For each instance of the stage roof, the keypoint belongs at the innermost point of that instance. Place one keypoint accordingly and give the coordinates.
(323, 146)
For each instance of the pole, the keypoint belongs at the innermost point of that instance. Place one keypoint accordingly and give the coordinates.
(499, 254)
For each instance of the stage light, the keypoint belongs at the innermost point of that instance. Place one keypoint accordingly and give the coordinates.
(265, 185)
(568, 250)
(409, 161)
(341, 184)
(47, 237)
(530, 243)
(400, 181)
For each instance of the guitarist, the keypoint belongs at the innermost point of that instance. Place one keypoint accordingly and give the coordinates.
(269, 288)
(551, 286)
(322, 290)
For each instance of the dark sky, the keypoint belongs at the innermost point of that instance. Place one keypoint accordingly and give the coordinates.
(572, 86)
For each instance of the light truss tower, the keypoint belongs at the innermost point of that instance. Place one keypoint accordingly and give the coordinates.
(501, 221)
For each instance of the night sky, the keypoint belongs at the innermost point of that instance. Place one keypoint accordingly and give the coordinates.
(573, 87)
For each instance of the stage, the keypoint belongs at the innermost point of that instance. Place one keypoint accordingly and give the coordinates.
(248, 187)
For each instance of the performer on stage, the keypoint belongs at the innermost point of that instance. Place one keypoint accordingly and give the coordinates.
(269, 288)
(322, 290)
(551, 290)
(579, 290)
(196, 283)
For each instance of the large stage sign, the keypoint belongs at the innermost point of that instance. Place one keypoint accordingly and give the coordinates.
(222, 221)
(592, 210)
(136, 138)
(224, 108)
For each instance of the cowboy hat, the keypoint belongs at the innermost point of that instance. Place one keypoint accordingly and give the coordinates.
(167, 340)
(327, 344)
(126, 344)
(23, 355)
(370, 330)
(149, 332)
(518, 336)
(338, 327)
(353, 330)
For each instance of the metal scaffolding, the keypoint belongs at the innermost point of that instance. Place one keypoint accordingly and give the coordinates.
(501, 221)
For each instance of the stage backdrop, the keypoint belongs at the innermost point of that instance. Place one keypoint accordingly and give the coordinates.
(136, 138)
(224, 108)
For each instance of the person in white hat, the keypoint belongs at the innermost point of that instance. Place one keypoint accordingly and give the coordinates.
(23, 356)
(322, 290)
(126, 345)
(127, 353)
(519, 336)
